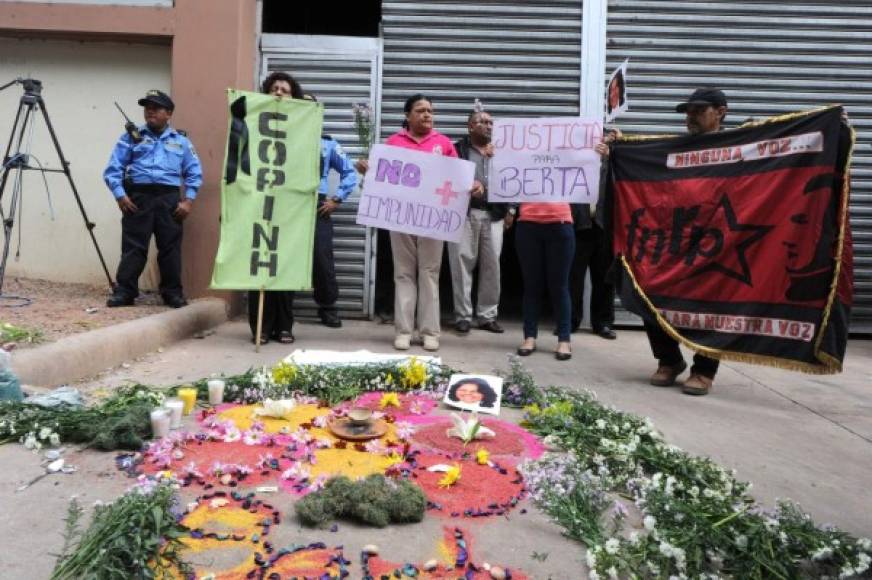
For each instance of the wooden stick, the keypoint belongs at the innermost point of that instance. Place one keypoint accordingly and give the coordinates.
(259, 321)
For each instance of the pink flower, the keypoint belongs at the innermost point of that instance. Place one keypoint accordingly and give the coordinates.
(417, 408)
(376, 446)
(252, 437)
(232, 434)
(296, 472)
(190, 470)
(301, 436)
(263, 461)
(317, 484)
(404, 429)
(320, 421)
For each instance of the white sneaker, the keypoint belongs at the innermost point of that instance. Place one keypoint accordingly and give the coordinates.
(431, 343)
(402, 342)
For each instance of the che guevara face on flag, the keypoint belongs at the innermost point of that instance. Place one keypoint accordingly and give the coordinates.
(741, 225)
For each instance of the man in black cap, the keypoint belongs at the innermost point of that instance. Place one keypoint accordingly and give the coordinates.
(705, 110)
(145, 176)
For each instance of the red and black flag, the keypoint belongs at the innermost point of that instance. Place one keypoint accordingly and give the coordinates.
(737, 243)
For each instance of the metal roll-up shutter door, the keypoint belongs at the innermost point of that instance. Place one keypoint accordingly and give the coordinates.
(340, 71)
(520, 59)
(770, 58)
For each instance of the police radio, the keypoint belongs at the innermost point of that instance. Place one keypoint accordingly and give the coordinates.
(130, 126)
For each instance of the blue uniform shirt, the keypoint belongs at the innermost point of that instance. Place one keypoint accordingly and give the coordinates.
(333, 157)
(163, 159)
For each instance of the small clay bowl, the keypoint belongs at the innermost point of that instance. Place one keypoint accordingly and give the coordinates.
(360, 416)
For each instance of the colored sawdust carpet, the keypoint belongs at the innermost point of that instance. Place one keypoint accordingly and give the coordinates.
(234, 529)
(480, 491)
(454, 561)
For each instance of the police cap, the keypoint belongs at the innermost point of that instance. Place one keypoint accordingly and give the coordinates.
(158, 98)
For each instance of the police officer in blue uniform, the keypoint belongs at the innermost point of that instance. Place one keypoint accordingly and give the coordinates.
(146, 177)
(326, 289)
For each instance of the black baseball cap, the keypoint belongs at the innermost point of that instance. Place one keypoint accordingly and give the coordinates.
(158, 98)
(704, 96)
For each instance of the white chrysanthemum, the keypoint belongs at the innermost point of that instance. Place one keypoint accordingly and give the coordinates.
(590, 559)
(613, 545)
(650, 522)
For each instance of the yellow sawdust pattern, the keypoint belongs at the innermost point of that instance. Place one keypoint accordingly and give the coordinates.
(347, 462)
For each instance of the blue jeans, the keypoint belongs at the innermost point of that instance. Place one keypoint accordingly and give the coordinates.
(545, 252)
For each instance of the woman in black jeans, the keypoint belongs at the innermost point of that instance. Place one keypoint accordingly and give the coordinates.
(545, 242)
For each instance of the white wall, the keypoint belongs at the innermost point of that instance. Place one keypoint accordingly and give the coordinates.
(80, 82)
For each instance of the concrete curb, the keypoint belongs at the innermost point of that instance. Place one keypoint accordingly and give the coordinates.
(84, 355)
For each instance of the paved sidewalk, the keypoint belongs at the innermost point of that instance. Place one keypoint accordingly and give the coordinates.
(804, 437)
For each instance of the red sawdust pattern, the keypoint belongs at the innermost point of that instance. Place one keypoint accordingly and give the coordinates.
(505, 443)
(455, 543)
(204, 454)
(481, 490)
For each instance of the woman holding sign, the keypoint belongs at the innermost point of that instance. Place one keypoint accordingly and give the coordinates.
(278, 305)
(545, 242)
(417, 260)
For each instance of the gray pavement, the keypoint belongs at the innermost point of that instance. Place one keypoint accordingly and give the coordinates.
(804, 437)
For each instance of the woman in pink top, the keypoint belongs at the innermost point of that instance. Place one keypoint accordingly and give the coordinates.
(545, 242)
(417, 260)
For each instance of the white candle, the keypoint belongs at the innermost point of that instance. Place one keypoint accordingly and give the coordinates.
(160, 423)
(216, 391)
(175, 407)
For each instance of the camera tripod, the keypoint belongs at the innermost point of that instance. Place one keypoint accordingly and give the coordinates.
(17, 161)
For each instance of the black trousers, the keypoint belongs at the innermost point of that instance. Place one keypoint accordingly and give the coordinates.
(384, 272)
(155, 216)
(326, 289)
(278, 312)
(666, 351)
(545, 254)
(592, 251)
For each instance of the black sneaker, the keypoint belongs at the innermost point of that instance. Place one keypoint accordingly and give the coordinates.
(330, 319)
(117, 300)
(175, 301)
(462, 326)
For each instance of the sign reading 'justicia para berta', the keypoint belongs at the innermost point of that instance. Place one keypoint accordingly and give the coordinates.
(269, 194)
(738, 243)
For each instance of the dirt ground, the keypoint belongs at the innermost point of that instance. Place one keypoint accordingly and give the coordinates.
(58, 309)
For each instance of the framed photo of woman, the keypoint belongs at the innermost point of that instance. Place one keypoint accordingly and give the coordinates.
(479, 393)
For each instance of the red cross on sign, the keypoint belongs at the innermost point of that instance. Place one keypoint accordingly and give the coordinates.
(446, 193)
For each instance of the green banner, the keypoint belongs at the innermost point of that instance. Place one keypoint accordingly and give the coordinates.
(269, 194)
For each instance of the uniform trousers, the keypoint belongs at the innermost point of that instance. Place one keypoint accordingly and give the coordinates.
(156, 205)
(326, 289)
(593, 252)
(480, 243)
(417, 262)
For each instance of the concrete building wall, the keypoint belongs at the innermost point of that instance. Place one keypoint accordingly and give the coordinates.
(105, 2)
(81, 79)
